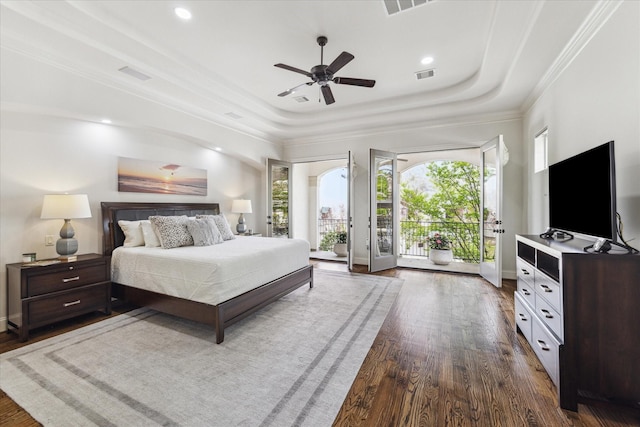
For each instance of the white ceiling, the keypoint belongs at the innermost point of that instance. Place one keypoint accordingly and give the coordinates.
(489, 57)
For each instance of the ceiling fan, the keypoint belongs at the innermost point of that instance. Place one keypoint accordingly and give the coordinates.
(323, 74)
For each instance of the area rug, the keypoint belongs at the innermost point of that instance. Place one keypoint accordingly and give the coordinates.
(290, 364)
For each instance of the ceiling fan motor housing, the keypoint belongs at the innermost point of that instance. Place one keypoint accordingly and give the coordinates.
(321, 75)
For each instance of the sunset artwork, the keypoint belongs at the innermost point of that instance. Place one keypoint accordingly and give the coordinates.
(143, 176)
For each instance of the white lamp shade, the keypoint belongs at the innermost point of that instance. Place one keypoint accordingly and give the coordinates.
(65, 206)
(241, 206)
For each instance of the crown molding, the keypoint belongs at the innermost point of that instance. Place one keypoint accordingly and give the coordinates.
(600, 15)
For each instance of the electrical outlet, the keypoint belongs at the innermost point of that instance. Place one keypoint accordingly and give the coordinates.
(49, 239)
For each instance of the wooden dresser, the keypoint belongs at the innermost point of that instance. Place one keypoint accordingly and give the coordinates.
(579, 312)
(43, 294)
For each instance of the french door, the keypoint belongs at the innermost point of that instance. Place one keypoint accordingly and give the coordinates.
(351, 176)
(493, 158)
(383, 203)
(279, 198)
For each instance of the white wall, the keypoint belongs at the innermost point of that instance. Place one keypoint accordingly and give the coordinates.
(300, 203)
(463, 133)
(595, 100)
(41, 155)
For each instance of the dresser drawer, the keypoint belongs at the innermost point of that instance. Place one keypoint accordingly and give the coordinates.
(68, 277)
(550, 317)
(66, 304)
(549, 289)
(547, 348)
(527, 292)
(523, 317)
(525, 271)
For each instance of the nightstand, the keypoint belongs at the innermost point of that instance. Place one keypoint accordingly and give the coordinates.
(252, 234)
(38, 295)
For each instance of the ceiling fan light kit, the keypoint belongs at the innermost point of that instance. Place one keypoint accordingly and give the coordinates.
(323, 74)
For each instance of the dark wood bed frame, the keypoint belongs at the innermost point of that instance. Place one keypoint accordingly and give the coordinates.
(218, 316)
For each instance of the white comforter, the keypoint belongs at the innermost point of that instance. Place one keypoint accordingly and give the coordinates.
(209, 274)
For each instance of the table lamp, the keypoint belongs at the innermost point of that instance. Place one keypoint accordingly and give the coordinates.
(67, 207)
(242, 207)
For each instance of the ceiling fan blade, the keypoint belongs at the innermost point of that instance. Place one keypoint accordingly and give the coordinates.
(294, 69)
(293, 89)
(343, 59)
(354, 82)
(328, 96)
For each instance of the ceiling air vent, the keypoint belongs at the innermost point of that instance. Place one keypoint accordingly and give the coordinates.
(134, 73)
(233, 115)
(425, 74)
(395, 6)
(301, 98)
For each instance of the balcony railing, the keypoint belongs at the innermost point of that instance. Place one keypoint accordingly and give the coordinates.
(464, 236)
(414, 237)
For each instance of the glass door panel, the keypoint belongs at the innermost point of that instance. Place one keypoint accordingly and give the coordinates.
(350, 209)
(279, 198)
(383, 201)
(491, 230)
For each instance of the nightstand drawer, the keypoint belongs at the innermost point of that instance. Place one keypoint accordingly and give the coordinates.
(71, 276)
(64, 305)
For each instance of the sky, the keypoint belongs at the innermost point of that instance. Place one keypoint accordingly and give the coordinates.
(333, 190)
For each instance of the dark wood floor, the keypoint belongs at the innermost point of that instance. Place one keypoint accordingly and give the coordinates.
(447, 354)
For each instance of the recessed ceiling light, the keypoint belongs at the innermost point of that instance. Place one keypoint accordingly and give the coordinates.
(427, 60)
(183, 13)
(106, 121)
(218, 149)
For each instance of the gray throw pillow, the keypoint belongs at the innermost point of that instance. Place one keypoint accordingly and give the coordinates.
(222, 224)
(204, 232)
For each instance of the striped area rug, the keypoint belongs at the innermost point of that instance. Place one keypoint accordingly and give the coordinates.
(290, 364)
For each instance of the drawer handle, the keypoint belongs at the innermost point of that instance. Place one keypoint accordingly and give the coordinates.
(522, 317)
(546, 288)
(69, 304)
(546, 313)
(543, 345)
(525, 272)
(526, 291)
(71, 279)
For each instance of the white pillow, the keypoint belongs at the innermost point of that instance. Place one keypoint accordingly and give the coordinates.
(172, 230)
(151, 239)
(132, 233)
(222, 224)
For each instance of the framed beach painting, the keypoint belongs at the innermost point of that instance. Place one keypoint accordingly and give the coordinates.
(144, 176)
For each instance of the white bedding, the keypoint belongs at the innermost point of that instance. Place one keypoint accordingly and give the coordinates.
(209, 274)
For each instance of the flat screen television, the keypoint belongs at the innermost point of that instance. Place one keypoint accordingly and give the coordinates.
(582, 193)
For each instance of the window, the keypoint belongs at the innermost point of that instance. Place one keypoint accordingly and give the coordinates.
(540, 151)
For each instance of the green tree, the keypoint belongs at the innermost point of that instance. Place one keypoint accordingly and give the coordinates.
(453, 209)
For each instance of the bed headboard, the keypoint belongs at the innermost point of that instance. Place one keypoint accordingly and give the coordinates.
(112, 212)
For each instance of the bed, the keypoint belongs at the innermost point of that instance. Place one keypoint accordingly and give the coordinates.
(217, 309)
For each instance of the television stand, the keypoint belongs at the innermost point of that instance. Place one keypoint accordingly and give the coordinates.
(579, 312)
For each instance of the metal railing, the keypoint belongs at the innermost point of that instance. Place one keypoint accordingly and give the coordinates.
(464, 236)
(414, 237)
